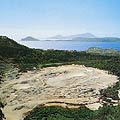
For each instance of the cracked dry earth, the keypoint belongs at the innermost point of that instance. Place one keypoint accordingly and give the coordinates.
(66, 86)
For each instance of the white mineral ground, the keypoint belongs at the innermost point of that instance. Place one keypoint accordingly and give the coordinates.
(66, 86)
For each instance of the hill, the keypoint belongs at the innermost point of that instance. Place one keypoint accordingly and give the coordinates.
(101, 51)
(70, 37)
(104, 39)
(85, 37)
(5, 41)
(29, 38)
(10, 48)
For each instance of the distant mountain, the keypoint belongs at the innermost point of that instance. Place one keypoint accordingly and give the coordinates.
(29, 38)
(104, 39)
(86, 37)
(70, 37)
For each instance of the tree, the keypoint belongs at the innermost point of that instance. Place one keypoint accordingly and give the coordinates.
(1, 113)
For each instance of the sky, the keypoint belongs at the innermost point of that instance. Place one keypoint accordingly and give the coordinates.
(45, 18)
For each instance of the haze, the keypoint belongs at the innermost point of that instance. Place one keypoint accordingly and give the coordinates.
(45, 18)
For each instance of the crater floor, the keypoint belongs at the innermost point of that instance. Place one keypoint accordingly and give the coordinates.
(66, 86)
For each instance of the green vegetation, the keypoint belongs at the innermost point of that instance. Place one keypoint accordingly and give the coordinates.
(101, 51)
(1, 113)
(82, 113)
(14, 55)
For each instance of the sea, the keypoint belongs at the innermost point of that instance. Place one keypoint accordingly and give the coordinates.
(70, 45)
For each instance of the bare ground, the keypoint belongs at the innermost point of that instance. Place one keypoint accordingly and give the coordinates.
(67, 86)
